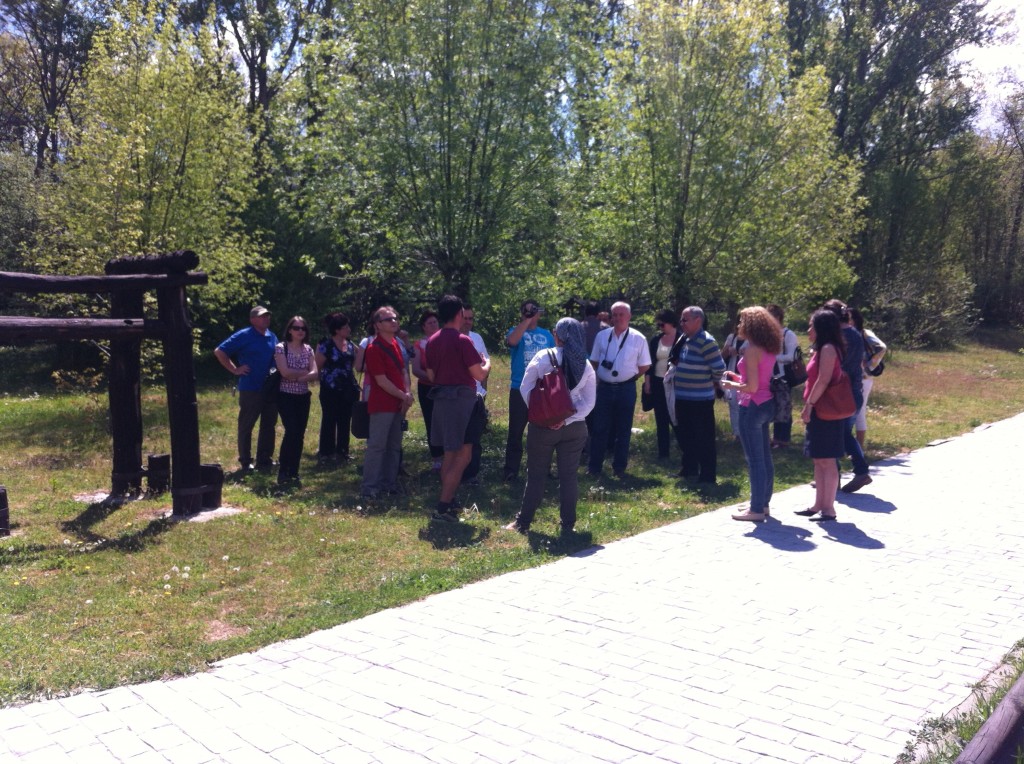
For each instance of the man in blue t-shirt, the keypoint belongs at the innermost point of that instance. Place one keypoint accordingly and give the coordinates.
(248, 354)
(525, 340)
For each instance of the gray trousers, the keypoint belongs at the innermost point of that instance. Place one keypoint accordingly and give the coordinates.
(567, 442)
(383, 453)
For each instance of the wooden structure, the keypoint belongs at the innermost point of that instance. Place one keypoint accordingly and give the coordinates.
(126, 281)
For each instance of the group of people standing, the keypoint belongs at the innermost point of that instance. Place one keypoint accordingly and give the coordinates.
(682, 367)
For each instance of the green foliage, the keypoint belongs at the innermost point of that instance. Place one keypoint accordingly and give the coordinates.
(17, 208)
(162, 160)
(433, 142)
(721, 180)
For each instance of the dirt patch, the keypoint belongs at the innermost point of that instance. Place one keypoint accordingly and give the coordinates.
(217, 631)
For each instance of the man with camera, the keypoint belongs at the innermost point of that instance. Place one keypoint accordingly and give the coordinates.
(525, 340)
(620, 355)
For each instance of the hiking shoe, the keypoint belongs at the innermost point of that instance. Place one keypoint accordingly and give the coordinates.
(858, 482)
(445, 517)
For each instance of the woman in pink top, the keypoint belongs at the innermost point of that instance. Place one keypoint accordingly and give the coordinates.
(752, 383)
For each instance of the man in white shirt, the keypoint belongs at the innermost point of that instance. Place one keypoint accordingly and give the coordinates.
(620, 355)
(469, 476)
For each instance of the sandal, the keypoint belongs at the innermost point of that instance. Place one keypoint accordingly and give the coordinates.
(810, 512)
(823, 519)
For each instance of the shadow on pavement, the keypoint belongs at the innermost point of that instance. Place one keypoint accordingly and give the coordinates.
(787, 538)
(848, 533)
(865, 502)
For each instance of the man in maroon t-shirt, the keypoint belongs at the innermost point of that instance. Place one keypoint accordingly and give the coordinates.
(389, 400)
(453, 367)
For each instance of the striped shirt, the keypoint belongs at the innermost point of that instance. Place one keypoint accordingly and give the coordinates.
(698, 368)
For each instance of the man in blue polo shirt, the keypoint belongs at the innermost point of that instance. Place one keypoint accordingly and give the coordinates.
(524, 340)
(248, 354)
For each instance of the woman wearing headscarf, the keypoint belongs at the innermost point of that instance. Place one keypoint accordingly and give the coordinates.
(566, 438)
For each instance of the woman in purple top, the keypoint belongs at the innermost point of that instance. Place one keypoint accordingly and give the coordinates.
(753, 383)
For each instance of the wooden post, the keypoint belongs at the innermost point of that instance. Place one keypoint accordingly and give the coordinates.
(124, 390)
(158, 473)
(183, 409)
(5, 514)
(213, 480)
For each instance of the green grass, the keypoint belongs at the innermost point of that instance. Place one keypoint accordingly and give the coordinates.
(942, 739)
(96, 595)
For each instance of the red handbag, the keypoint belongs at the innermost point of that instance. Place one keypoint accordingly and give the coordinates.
(550, 403)
(837, 401)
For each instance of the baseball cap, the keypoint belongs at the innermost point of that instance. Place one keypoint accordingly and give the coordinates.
(259, 310)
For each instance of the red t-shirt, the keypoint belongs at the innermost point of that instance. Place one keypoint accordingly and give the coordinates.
(380, 361)
(450, 353)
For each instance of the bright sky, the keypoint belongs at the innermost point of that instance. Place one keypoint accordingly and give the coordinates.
(993, 64)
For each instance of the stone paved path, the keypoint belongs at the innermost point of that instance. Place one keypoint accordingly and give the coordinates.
(704, 641)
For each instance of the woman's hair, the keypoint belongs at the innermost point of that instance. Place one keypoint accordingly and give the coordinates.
(291, 322)
(827, 330)
(761, 329)
(426, 316)
(667, 316)
(839, 308)
(776, 311)
(335, 322)
(857, 319)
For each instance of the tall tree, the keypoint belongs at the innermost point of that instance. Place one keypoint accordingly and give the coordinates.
(725, 184)
(443, 135)
(58, 34)
(161, 160)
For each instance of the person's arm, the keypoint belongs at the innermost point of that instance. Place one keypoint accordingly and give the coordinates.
(789, 344)
(417, 366)
(312, 370)
(530, 377)
(827, 364)
(227, 363)
(713, 358)
(752, 354)
(320, 358)
(515, 336)
(385, 384)
(479, 371)
(584, 395)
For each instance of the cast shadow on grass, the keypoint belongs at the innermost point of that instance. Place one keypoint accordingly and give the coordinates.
(442, 535)
(98, 511)
(569, 544)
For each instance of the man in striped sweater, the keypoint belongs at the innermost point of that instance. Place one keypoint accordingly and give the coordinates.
(698, 369)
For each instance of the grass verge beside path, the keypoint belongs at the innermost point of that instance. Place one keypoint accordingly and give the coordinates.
(97, 595)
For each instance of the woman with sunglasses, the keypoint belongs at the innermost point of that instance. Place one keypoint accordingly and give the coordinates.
(654, 380)
(297, 365)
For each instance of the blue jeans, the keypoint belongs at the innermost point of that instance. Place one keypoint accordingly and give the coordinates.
(852, 447)
(613, 415)
(754, 422)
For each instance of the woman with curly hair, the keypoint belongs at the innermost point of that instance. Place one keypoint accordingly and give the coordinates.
(752, 382)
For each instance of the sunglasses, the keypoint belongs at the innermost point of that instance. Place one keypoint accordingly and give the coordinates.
(388, 319)
(297, 326)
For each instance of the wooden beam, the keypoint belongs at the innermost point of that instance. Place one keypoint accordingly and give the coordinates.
(21, 328)
(30, 283)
